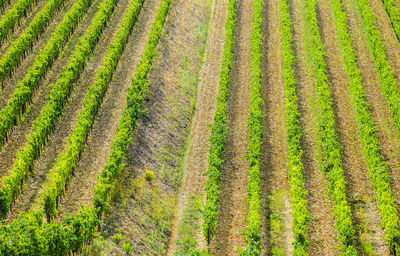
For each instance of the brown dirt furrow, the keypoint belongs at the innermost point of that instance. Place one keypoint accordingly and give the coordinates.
(360, 191)
(378, 107)
(95, 154)
(322, 232)
(19, 72)
(18, 136)
(232, 198)
(196, 162)
(274, 159)
(64, 126)
(392, 44)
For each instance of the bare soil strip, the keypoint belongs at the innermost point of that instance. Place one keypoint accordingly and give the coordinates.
(360, 192)
(322, 232)
(19, 72)
(64, 126)
(95, 154)
(232, 205)
(274, 159)
(392, 44)
(378, 107)
(18, 137)
(196, 162)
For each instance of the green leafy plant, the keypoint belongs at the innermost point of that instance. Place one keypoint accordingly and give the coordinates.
(49, 114)
(378, 169)
(328, 140)
(22, 94)
(219, 129)
(29, 235)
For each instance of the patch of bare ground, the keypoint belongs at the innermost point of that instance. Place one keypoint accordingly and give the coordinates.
(392, 44)
(95, 155)
(360, 192)
(19, 72)
(274, 159)
(196, 161)
(64, 126)
(322, 233)
(142, 211)
(18, 137)
(232, 198)
(378, 107)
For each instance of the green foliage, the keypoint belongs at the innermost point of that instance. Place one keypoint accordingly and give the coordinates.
(13, 15)
(127, 247)
(386, 76)
(135, 100)
(219, 128)
(49, 114)
(117, 238)
(67, 161)
(378, 169)
(22, 94)
(29, 235)
(294, 132)
(255, 124)
(394, 15)
(149, 175)
(17, 48)
(329, 141)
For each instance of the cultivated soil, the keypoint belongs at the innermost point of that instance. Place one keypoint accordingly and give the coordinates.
(274, 158)
(95, 154)
(196, 161)
(64, 126)
(322, 233)
(232, 198)
(366, 215)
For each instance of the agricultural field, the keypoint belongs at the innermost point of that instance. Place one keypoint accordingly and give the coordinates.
(199, 127)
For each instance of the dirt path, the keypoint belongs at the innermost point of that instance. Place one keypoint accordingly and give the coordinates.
(95, 154)
(19, 72)
(275, 183)
(361, 194)
(63, 127)
(232, 205)
(322, 233)
(196, 162)
(379, 110)
(18, 136)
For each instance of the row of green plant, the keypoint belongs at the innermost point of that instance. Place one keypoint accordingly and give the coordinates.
(28, 235)
(328, 140)
(394, 15)
(24, 89)
(294, 133)
(386, 76)
(50, 113)
(219, 129)
(378, 169)
(9, 19)
(18, 47)
(255, 126)
(68, 160)
(135, 100)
